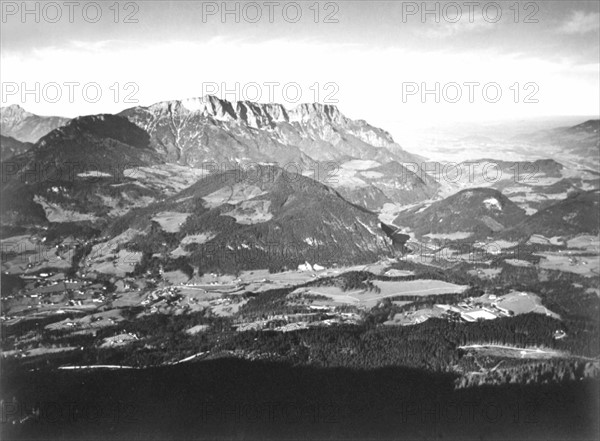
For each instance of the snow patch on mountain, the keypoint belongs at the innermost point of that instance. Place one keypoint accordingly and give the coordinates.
(367, 227)
(492, 203)
(358, 164)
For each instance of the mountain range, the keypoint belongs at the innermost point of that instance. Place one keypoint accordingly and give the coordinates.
(362, 162)
(192, 163)
(313, 139)
(187, 132)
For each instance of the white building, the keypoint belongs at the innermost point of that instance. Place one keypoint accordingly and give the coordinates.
(473, 316)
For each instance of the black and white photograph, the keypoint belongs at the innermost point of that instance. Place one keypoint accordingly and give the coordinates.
(300, 220)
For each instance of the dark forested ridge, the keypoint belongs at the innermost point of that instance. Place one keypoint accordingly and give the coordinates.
(232, 398)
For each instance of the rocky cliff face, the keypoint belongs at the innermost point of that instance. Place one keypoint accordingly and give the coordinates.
(27, 127)
(209, 129)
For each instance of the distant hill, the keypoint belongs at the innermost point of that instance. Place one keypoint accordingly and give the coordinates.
(277, 222)
(532, 185)
(494, 173)
(27, 127)
(580, 141)
(590, 127)
(577, 214)
(483, 211)
(71, 171)
(371, 184)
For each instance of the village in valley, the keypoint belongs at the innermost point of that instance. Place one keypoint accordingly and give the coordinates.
(64, 302)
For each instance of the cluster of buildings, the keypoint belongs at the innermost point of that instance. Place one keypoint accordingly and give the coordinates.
(168, 296)
(470, 312)
(46, 289)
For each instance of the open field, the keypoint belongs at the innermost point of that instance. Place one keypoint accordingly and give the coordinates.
(518, 262)
(586, 242)
(129, 298)
(417, 287)
(542, 240)
(232, 194)
(513, 352)
(28, 254)
(191, 238)
(398, 273)
(449, 236)
(89, 322)
(175, 277)
(170, 221)
(118, 264)
(569, 262)
(388, 289)
(524, 303)
(251, 212)
(262, 280)
(255, 281)
(199, 294)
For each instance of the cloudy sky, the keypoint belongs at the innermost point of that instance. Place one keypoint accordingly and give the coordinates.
(373, 58)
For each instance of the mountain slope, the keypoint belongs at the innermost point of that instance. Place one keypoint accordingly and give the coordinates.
(482, 211)
(72, 173)
(223, 223)
(580, 143)
(11, 147)
(577, 214)
(372, 184)
(27, 127)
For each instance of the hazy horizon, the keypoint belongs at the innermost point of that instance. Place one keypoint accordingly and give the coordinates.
(361, 55)
(419, 138)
